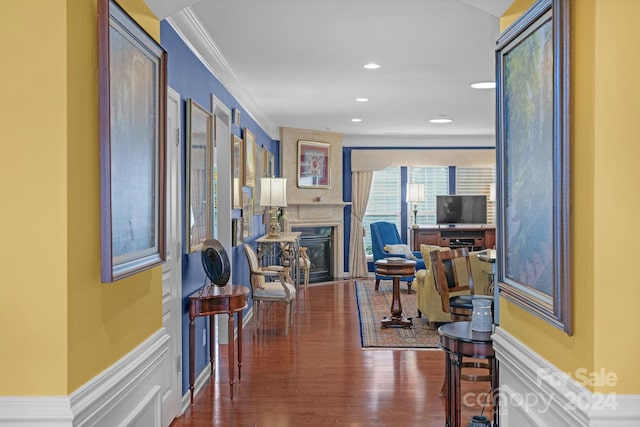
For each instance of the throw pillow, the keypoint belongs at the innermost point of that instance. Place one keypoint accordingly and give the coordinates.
(400, 249)
(426, 250)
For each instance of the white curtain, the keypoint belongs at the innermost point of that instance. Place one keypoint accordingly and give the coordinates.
(360, 187)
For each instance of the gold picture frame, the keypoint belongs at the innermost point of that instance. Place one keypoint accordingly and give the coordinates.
(249, 158)
(247, 214)
(237, 160)
(199, 185)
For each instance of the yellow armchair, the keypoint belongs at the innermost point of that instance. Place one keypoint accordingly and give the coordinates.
(427, 298)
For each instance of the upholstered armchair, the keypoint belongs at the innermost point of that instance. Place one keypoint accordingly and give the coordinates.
(270, 283)
(427, 297)
(386, 243)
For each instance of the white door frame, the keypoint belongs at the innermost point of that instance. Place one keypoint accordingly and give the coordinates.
(172, 268)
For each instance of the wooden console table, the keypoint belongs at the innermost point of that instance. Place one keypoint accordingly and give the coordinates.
(458, 341)
(475, 237)
(209, 301)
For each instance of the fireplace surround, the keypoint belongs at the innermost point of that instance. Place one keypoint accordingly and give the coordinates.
(324, 225)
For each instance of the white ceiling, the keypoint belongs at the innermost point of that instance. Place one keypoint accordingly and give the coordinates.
(299, 63)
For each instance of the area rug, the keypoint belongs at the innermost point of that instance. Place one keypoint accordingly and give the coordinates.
(374, 305)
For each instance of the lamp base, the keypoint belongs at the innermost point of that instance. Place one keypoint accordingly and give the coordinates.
(274, 227)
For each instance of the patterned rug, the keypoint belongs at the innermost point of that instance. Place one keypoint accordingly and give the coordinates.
(374, 305)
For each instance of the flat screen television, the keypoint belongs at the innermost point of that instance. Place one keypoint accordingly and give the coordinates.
(461, 209)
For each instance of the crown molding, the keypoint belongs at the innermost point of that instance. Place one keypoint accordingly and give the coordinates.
(193, 34)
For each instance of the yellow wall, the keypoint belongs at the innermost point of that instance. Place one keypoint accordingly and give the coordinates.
(33, 216)
(617, 196)
(604, 199)
(59, 325)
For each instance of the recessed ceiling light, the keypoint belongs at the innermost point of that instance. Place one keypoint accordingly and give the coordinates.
(484, 85)
(362, 99)
(371, 66)
(440, 120)
(356, 120)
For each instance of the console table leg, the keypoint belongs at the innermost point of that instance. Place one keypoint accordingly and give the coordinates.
(239, 345)
(230, 346)
(212, 341)
(192, 338)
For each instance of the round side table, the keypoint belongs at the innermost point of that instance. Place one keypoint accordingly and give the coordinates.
(396, 268)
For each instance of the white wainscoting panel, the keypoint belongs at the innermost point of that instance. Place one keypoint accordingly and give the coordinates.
(127, 394)
(123, 394)
(533, 392)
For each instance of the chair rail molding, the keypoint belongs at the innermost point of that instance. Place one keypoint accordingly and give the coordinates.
(533, 392)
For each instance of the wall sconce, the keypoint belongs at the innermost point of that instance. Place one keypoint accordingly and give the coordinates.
(415, 194)
(273, 194)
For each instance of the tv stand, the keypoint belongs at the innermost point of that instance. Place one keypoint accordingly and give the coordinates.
(474, 237)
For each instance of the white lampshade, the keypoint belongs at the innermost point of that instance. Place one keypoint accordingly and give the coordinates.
(273, 192)
(415, 192)
(492, 192)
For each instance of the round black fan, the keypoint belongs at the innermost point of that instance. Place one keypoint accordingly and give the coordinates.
(216, 262)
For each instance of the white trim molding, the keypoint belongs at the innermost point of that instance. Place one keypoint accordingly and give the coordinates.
(35, 411)
(533, 392)
(127, 394)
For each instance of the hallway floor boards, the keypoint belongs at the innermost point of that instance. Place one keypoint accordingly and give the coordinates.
(320, 374)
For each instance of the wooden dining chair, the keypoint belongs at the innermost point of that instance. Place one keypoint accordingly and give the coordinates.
(453, 278)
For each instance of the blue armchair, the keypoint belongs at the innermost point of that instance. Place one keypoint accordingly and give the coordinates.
(386, 233)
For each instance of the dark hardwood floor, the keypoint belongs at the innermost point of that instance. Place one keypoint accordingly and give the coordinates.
(320, 374)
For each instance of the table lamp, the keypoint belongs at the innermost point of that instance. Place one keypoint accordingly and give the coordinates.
(415, 194)
(273, 194)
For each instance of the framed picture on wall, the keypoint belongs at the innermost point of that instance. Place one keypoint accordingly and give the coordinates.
(132, 77)
(533, 263)
(237, 160)
(236, 116)
(247, 214)
(257, 188)
(314, 164)
(249, 158)
(199, 185)
(266, 173)
(236, 231)
(271, 168)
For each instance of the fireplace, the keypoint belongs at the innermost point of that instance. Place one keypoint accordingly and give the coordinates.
(319, 244)
(321, 226)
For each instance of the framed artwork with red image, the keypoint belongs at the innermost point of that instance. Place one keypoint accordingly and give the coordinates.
(313, 164)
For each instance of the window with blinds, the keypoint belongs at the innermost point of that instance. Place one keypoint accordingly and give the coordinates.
(475, 180)
(436, 181)
(384, 201)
